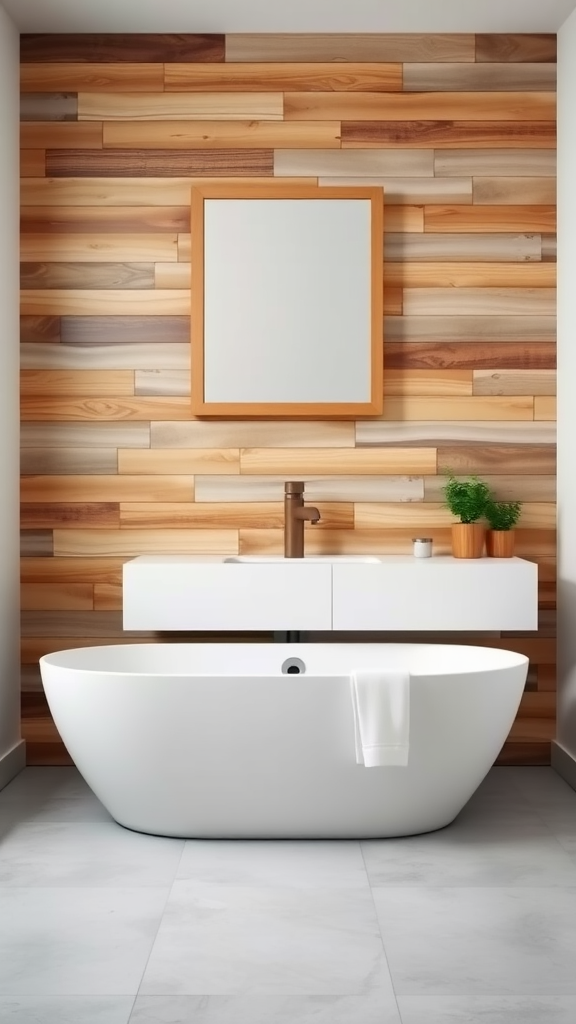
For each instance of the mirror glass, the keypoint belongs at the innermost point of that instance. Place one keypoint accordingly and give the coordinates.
(287, 301)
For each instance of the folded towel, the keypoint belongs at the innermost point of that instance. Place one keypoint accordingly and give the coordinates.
(381, 706)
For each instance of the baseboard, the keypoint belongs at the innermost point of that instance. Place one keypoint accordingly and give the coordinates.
(564, 763)
(12, 763)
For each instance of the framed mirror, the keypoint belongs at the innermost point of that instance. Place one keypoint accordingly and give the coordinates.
(287, 301)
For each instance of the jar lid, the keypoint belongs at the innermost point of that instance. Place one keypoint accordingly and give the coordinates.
(421, 540)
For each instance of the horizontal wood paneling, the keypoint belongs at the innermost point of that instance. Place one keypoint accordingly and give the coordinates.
(459, 133)
(423, 274)
(60, 247)
(359, 46)
(425, 106)
(468, 134)
(206, 159)
(205, 106)
(481, 218)
(216, 134)
(100, 76)
(482, 354)
(534, 77)
(119, 47)
(293, 77)
(292, 462)
(48, 135)
(512, 47)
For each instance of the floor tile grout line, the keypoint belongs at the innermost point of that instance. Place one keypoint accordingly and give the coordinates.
(380, 932)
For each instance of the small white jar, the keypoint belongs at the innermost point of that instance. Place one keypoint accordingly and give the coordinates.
(422, 547)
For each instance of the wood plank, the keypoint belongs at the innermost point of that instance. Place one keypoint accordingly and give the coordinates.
(253, 434)
(60, 135)
(514, 407)
(126, 330)
(107, 597)
(520, 47)
(537, 163)
(212, 134)
(85, 435)
(177, 106)
(424, 432)
(476, 247)
(358, 46)
(480, 301)
(467, 134)
(36, 543)
(205, 160)
(32, 163)
(108, 543)
(317, 489)
(107, 488)
(288, 461)
(322, 77)
(549, 247)
(162, 382)
(393, 300)
(545, 407)
(470, 275)
(481, 218)
(533, 77)
(106, 302)
(403, 218)
(39, 329)
(514, 382)
(97, 410)
(145, 462)
(534, 460)
(177, 275)
(76, 47)
(139, 358)
(88, 275)
(428, 382)
(60, 597)
(547, 677)
(504, 488)
(484, 354)
(99, 248)
(44, 461)
(470, 329)
(95, 193)
(381, 515)
(413, 190)
(420, 106)
(48, 106)
(396, 163)
(221, 515)
(49, 515)
(72, 570)
(98, 76)
(53, 221)
(72, 382)
(526, 191)
(48, 622)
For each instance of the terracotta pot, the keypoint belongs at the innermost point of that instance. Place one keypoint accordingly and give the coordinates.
(500, 543)
(468, 540)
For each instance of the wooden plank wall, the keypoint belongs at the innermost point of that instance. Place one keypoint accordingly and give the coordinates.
(460, 131)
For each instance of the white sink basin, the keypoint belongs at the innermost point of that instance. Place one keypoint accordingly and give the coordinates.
(275, 559)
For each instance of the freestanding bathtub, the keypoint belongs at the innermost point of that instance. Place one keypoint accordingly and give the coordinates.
(257, 740)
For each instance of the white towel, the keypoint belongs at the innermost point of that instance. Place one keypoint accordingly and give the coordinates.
(381, 705)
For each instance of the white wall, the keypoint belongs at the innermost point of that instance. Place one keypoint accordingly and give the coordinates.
(564, 750)
(11, 749)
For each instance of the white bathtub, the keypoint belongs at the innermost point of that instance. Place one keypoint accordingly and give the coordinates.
(215, 740)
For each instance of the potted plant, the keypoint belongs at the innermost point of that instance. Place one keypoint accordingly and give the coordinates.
(467, 499)
(502, 517)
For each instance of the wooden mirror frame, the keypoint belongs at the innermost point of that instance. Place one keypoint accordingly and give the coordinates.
(308, 410)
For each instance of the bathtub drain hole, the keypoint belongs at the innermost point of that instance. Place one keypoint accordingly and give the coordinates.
(293, 667)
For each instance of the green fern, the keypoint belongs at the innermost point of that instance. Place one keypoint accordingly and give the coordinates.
(466, 499)
(503, 515)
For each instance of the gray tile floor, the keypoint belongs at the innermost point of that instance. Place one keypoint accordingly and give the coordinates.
(475, 924)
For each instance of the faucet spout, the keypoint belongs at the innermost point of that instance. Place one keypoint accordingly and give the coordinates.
(296, 513)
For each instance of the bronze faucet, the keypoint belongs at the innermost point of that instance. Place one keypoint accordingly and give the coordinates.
(295, 513)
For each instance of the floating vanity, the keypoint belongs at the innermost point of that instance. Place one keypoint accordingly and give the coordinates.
(387, 592)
